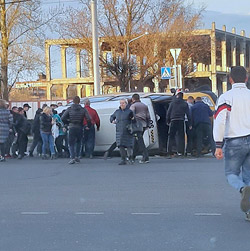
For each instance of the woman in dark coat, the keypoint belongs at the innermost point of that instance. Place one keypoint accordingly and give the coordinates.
(6, 121)
(123, 117)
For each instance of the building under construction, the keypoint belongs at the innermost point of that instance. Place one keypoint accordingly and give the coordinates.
(226, 49)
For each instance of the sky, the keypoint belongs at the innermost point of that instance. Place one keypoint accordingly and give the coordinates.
(229, 12)
(232, 13)
(226, 6)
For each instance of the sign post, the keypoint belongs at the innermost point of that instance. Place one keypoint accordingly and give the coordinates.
(175, 54)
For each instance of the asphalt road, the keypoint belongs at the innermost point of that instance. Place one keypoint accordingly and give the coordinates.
(175, 205)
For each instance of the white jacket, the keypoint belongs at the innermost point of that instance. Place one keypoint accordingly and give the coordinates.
(232, 115)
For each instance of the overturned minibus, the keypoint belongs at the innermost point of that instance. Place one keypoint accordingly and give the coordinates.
(155, 137)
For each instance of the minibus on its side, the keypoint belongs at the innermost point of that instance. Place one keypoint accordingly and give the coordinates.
(155, 137)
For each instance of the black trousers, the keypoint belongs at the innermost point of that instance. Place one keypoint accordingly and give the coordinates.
(203, 130)
(176, 128)
(139, 146)
(60, 144)
(75, 141)
(22, 141)
(37, 142)
(111, 149)
(190, 135)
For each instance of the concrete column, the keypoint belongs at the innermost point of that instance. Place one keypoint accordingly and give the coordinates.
(65, 91)
(88, 90)
(78, 64)
(49, 86)
(90, 65)
(63, 61)
(243, 49)
(213, 59)
(47, 60)
(233, 48)
(224, 87)
(200, 67)
(224, 51)
(79, 90)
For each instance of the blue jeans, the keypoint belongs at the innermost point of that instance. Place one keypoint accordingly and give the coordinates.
(89, 140)
(237, 161)
(48, 142)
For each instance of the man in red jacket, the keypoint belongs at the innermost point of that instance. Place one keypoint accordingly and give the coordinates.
(89, 132)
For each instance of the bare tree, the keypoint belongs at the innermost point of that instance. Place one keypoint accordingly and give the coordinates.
(169, 23)
(21, 31)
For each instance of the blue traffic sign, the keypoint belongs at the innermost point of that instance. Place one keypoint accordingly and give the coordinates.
(165, 72)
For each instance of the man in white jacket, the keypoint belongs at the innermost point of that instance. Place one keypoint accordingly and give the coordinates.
(232, 132)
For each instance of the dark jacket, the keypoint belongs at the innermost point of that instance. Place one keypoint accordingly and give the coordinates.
(75, 115)
(123, 118)
(201, 113)
(21, 124)
(45, 123)
(177, 111)
(36, 122)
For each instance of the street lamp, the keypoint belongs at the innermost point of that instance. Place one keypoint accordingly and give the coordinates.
(95, 47)
(130, 41)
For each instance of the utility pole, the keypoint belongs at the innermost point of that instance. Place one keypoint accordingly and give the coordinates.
(95, 41)
(128, 57)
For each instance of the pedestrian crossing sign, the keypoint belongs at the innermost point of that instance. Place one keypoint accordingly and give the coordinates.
(165, 72)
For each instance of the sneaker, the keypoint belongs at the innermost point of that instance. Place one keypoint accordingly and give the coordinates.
(77, 160)
(72, 161)
(2, 159)
(131, 161)
(247, 216)
(123, 162)
(245, 200)
(44, 156)
(31, 154)
(20, 156)
(53, 156)
(144, 161)
(105, 156)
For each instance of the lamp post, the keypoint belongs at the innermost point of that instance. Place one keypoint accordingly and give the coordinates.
(130, 41)
(95, 48)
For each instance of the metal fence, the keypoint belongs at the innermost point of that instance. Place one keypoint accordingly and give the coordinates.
(35, 105)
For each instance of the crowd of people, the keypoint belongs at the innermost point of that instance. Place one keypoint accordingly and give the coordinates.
(71, 134)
